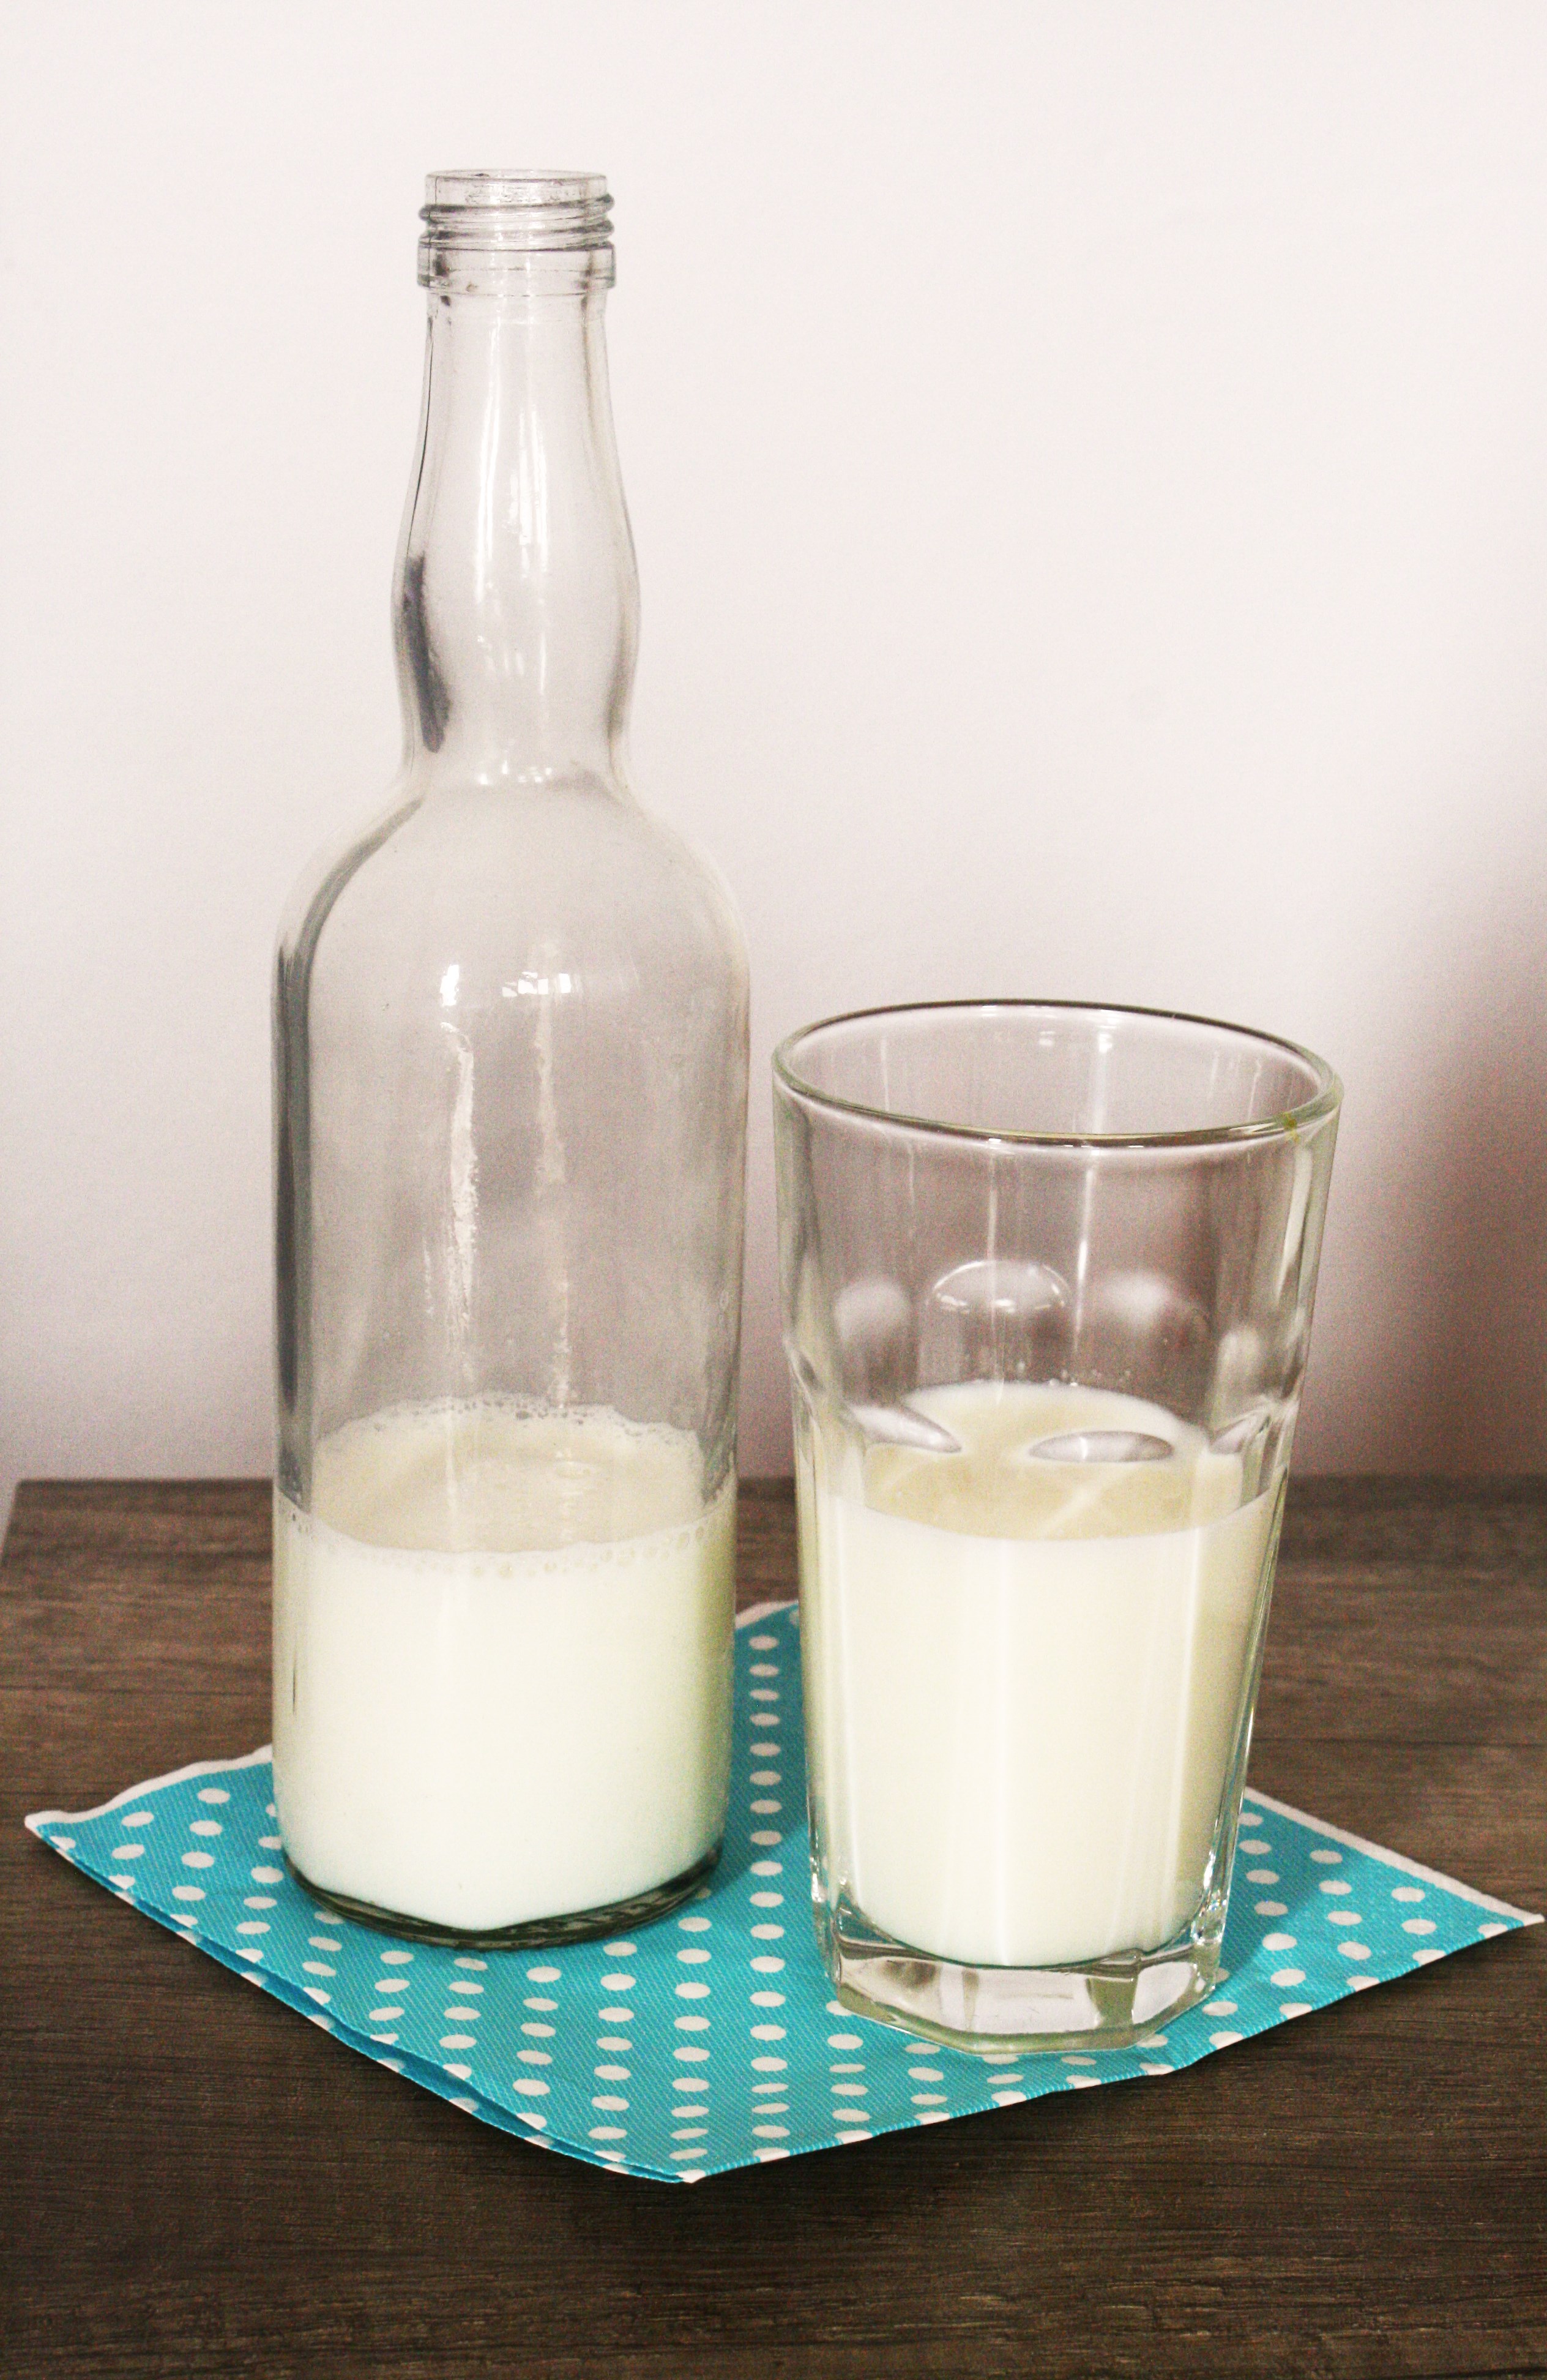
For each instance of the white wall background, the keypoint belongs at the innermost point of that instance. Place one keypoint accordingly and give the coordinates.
(1089, 467)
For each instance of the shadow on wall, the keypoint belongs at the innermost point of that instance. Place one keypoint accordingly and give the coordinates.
(1482, 1404)
(1446, 1370)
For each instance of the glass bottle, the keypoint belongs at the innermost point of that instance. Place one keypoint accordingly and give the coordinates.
(510, 1048)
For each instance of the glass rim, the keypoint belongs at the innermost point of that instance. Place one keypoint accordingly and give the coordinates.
(1287, 1124)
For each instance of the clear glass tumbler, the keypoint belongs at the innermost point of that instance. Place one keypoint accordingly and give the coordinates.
(1048, 1280)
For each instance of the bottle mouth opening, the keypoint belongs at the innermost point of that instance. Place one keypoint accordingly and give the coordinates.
(513, 211)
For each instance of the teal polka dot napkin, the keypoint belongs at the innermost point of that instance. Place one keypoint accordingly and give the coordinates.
(710, 2039)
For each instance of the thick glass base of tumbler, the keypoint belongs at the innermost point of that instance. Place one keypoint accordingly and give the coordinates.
(1099, 2004)
(532, 1933)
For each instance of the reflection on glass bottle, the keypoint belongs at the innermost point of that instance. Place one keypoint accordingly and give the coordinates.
(510, 1046)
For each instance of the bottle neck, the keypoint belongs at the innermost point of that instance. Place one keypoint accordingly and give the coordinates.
(516, 601)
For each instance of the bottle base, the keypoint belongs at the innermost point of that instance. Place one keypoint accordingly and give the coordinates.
(531, 1934)
(1095, 2004)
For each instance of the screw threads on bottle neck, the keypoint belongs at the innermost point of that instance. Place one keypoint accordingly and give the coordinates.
(495, 223)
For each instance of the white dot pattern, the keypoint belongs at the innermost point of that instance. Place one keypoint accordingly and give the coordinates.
(711, 2039)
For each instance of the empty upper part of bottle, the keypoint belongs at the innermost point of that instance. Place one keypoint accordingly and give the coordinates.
(516, 599)
(511, 1014)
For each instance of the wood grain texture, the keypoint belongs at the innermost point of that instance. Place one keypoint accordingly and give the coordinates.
(192, 2182)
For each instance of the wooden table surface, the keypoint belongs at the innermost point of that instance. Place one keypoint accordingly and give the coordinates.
(193, 2182)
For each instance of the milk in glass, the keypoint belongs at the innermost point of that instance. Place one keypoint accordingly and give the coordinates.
(1026, 1677)
(502, 1649)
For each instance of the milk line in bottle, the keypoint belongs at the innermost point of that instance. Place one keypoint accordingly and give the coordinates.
(503, 1645)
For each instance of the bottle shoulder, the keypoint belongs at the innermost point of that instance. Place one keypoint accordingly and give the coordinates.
(574, 877)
